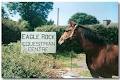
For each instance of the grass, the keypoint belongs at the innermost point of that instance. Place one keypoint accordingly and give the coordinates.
(85, 73)
(65, 57)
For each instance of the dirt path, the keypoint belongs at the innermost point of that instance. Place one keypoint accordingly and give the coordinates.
(79, 69)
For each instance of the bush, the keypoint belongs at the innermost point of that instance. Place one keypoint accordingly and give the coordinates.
(23, 65)
(109, 33)
(11, 30)
(23, 25)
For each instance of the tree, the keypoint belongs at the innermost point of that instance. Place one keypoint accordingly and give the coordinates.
(4, 13)
(35, 13)
(84, 19)
(50, 22)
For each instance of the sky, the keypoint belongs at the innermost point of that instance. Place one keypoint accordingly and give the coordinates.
(101, 10)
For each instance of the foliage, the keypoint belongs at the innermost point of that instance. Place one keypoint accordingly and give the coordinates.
(11, 30)
(109, 33)
(4, 13)
(84, 19)
(50, 22)
(33, 12)
(23, 25)
(23, 65)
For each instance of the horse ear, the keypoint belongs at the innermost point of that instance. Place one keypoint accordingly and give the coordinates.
(76, 26)
(72, 23)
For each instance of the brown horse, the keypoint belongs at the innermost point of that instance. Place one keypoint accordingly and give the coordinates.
(101, 58)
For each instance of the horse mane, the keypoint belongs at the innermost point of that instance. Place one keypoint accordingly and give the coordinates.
(92, 35)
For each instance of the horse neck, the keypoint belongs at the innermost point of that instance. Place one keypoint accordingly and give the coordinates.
(87, 45)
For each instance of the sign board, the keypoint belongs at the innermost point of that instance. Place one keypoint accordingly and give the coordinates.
(38, 42)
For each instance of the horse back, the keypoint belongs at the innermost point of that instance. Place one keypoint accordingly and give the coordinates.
(106, 62)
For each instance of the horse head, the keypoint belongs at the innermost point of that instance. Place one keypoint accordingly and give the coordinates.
(69, 33)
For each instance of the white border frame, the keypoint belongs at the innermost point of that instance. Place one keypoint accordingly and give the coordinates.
(56, 1)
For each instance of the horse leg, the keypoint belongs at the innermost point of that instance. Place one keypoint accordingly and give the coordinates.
(88, 62)
(93, 74)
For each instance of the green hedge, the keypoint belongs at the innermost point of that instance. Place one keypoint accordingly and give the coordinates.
(110, 34)
(11, 30)
(11, 33)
